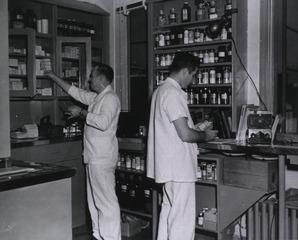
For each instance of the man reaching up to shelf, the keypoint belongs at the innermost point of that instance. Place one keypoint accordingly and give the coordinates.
(172, 150)
(100, 148)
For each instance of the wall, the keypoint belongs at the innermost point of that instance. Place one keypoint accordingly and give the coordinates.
(4, 92)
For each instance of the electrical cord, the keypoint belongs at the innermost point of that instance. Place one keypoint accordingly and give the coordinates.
(249, 77)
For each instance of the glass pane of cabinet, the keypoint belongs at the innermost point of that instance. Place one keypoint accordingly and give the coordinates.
(74, 61)
(21, 58)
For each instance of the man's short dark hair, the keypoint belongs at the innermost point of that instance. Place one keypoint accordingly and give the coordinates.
(184, 60)
(106, 70)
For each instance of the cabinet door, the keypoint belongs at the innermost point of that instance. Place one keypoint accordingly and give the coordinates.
(21, 62)
(73, 61)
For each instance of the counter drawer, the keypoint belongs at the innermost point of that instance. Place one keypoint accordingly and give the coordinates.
(250, 173)
(49, 153)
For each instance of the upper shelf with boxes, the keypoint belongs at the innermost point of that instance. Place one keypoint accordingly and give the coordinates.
(34, 37)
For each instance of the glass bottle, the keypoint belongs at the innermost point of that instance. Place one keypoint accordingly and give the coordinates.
(199, 77)
(191, 96)
(204, 97)
(212, 76)
(172, 16)
(205, 78)
(221, 53)
(201, 56)
(172, 38)
(224, 97)
(212, 96)
(229, 53)
(200, 12)
(161, 18)
(206, 57)
(167, 39)
(185, 13)
(218, 76)
(228, 5)
(213, 11)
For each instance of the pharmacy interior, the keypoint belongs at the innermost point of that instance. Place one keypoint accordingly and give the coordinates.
(244, 87)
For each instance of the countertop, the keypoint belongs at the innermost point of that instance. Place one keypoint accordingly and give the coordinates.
(17, 143)
(38, 173)
(231, 145)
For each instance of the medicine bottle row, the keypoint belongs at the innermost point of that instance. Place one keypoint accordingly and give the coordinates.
(134, 192)
(207, 56)
(188, 36)
(207, 171)
(218, 75)
(135, 162)
(204, 10)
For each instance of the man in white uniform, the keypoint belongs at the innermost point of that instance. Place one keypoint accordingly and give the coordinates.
(100, 148)
(172, 150)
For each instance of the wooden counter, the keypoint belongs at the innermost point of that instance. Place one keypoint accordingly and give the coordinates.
(36, 204)
(228, 145)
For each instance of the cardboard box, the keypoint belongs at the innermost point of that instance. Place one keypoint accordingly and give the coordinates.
(250, 173)
(131, 228)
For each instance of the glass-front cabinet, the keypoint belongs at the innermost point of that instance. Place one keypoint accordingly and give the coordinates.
(21, 62)
(73, 61)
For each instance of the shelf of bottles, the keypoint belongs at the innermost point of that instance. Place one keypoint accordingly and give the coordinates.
(207, 174)
(133, 189)
(212, 85)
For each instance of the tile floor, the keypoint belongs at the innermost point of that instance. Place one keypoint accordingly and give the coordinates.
(85, 234)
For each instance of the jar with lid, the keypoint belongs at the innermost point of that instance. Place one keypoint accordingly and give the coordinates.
(17, 18)
(226, 75)
(157, 78)
(185, 13)
(204, 170)
(221, 53)
(180, 38)
(172, 16)
(199, 77)
(201, 218)
(218, 77)
(190, 36)
(206, 57)
(161, 40)
(204, 100)
(200, 12)
(211, 56)
(212, 96)
(201, 56)
(205, 78)
(185, 36)
(161, 20)
(213, 11)
(224, 97)
(167, 39)
(212, 76)
(172, 38)
(224, 34)
(31, 19)
(163, 60)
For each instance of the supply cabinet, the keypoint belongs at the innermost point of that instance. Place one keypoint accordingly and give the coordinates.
(215, 93)
(136, 193)
(40, 38)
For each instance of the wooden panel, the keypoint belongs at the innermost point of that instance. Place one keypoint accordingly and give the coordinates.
(251, 174)
(54, 152)
(41, 211)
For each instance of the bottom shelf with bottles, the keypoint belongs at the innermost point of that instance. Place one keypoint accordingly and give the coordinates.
(136, 193)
